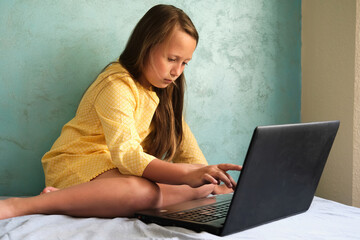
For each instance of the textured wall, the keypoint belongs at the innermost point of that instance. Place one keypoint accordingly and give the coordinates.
(245, 72)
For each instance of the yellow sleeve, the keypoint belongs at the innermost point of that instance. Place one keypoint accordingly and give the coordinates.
(189, 150)
(115, 106)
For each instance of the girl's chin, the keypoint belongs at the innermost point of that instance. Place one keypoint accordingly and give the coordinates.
(163, 84)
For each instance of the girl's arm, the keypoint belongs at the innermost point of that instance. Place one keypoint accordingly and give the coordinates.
(190, 174)
(189, 150)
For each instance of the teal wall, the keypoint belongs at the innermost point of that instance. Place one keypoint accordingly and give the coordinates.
(245, 72)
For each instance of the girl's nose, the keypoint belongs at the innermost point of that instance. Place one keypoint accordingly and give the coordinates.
(176, 70)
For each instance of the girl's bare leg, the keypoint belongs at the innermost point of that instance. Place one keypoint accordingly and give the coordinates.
(172, 194)
(109, 195)
(102, 197)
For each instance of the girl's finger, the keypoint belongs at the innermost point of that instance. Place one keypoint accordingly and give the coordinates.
(228, 166)
(231, 180)
(210, 179)
(224, 177)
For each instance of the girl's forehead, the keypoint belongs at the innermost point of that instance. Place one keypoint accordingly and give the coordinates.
(179, 43)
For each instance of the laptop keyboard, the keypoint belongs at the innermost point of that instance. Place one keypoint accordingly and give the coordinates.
(203, 214)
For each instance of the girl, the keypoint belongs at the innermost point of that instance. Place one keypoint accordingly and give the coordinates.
(128, 147)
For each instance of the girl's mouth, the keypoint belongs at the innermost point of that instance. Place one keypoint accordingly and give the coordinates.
(168, 80)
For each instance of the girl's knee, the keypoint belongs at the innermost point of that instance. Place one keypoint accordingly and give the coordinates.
(138, 193)
(146, 194)
(127, 194)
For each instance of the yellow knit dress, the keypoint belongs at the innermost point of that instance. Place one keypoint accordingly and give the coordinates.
(111, 122)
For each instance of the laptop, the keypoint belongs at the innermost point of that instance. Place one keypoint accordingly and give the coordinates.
(280, 174)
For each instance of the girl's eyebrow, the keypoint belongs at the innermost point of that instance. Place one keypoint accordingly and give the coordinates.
(176, 56)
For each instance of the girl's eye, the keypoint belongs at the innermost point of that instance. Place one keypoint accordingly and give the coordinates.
(185, 63)
(171, 59)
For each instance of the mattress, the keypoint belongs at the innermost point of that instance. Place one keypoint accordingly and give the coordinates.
(324, 220)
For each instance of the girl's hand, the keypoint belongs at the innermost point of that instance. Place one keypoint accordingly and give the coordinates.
(215, 174)
(194, 175)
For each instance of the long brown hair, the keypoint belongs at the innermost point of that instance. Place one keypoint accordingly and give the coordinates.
(152, 29)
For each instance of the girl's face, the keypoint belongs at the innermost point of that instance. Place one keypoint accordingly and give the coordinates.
(167, 60)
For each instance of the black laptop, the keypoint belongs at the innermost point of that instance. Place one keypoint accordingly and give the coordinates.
(280, 174)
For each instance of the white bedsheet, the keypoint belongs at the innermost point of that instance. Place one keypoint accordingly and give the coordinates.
(324, 220)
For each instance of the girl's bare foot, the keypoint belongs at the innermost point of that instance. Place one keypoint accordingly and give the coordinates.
(49, 189)
(7, 206)
(7, 209)
(222, 189)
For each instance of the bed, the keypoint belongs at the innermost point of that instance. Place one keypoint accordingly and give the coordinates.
(324, 220)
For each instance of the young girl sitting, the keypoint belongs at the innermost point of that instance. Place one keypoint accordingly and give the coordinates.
(128, 148)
